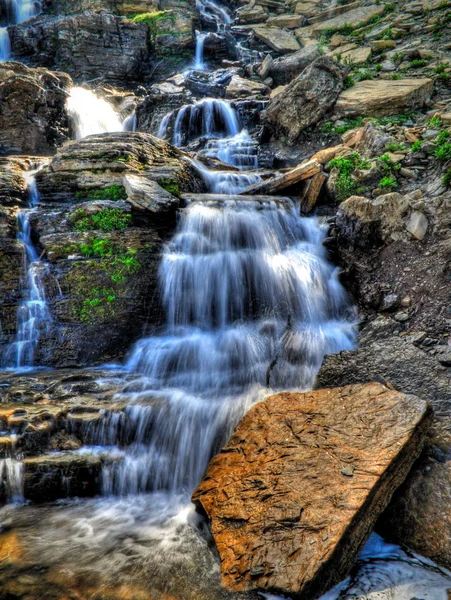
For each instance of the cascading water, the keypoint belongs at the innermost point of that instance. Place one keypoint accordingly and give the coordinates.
(91, 114)
(207, 117)
(239, 151)
(251, 301)
(18, 11)
(213, 14)
(33, 316)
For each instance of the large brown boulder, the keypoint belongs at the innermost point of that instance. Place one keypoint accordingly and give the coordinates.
(33, 118)
(87, 45)
(305, 100)
(296, 492)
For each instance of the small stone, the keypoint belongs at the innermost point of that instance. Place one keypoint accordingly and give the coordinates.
(408, 173)
(406, 301)
(348, 471)
(417, 225)
(401, 316)
(445, 359)
(390, 302)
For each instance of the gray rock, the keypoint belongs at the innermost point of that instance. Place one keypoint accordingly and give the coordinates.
(305, 100)
(285, 69)
(145, 194)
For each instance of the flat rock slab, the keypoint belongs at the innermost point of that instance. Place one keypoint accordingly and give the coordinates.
(278, 40)
(354, 18)
(296, 492)
(380, 97)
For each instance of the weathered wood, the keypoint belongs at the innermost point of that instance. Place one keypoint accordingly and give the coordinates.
(274, 186)
(311, 192)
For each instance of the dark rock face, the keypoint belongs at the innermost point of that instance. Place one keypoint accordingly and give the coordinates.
(87, 45)
(305, 100)
(283, 70)
(295, 493)
(33, 119)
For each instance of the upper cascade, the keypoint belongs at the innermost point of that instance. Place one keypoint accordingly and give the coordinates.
(91, 114)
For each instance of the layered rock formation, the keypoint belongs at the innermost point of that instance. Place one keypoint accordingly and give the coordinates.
(33, 119)
(294, 494)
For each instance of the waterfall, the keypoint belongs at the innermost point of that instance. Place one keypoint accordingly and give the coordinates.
(33, 316)
(130, 122)
(207, 117)
(239, 151)
(11, 479)
(213, 13)
(226, 182)
(199, 57)
(251, 301)
(20, 10)
(91, 114)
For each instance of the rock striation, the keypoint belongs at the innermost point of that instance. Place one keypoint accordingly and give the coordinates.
(305, 100)
(296, 492)
(33, 118)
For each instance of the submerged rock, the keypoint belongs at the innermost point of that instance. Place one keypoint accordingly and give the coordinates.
(305, 100)
(296, 492)
(33, 117)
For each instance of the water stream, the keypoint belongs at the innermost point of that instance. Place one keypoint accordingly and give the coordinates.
(91, 114)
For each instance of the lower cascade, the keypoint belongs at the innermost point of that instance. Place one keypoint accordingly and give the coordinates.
(91, 114)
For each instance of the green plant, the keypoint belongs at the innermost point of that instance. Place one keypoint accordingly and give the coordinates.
(345, 185)
(107, 219)
(417, 63)
(394, 147)
(364, 75)
(152, 19)
(435, 122)
(329, 127)
(98, 304)
(395, 76)
(387, 183)
(348, 82)
(440, 68)
(389, 7)
(416, 146)
(443, 147)
(112, 192)
(170, 185)
(386, 165)
(447, 178)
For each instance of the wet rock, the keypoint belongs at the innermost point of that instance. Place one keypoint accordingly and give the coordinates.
(286, 68)
(296, 492)
(33, 119)
(49, 478)
(162, 98)
(376, 98)
(13, 185)
(305, 100)
(87, 45)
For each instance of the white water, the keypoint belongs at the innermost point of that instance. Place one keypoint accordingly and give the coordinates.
(33, 316)
(11, 471)
(199, 64)
(226, 182)
(19, 11)
(91, 114)
(207, 117)
(251, 302)
(239, 151)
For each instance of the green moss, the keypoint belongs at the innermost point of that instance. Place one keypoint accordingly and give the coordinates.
(345, 185)
(170, 186)
(417, 63)
(329, 127)
(394, 147)
(153, 20)
(447, 178)
(112, 192)
(107, 219)
(416, 146)
(98, 305)
(386, 165)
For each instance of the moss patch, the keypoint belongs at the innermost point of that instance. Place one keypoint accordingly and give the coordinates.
(107, 219)
(112, 192)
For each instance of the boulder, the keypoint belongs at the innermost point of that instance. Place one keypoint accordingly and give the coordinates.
(87, 45)
(285, 21)
(355, 56)
(241, 88)
(279, 40)
(13, 185)
(251, 13)
(84, 168)
(284, 69)
(368, 222)
(162, 99)
(377, 98)
(353, 18)
(305, 100)
(417, 225)
(296, 492)
(33, 118)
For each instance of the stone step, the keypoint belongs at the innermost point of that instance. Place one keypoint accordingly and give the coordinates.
(220, 200)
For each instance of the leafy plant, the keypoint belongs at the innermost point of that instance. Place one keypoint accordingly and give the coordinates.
(417, 63)
(107, 219)
(394, 146)
(435, 122)
(443, 147)
(387, 183)
(112, 192)
(348, 82)
(345, 185)
(416, 146)
(447, 178)
(386, 165)
(329, 127)
(170, 186)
